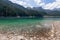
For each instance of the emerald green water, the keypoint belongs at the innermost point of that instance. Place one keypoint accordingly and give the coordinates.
(19, 23)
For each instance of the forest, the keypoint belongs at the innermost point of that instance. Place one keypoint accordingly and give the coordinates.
(9, 9)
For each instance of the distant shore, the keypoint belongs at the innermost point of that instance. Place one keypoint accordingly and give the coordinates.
(31, 17)
(51, 16)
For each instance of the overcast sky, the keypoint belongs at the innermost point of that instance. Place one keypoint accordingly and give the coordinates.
(46, 4)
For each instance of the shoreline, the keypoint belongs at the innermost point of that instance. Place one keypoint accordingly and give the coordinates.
(51, 16)
(12, 35)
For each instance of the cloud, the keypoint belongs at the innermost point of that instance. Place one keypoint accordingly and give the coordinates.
(39, 2)
(55, 4)
(29, 3)
(58, 0)
(23, 3)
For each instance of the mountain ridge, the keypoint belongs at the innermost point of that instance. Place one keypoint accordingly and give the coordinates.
(7, 8)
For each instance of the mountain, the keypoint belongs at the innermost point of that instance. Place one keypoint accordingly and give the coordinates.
(57, 9)
(45, 12)
(53, 12)
(8, 9)
(40, 10)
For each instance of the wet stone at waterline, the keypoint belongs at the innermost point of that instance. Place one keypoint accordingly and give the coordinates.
(39, 31)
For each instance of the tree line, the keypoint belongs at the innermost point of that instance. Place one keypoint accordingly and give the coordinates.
(9, 9)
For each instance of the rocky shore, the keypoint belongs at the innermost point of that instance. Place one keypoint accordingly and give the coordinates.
(46, 31)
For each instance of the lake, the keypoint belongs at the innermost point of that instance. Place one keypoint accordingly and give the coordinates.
(23, 23)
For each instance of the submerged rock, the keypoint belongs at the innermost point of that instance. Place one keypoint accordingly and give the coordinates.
(42, 30)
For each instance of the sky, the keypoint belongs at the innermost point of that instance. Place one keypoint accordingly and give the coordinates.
(45, 4)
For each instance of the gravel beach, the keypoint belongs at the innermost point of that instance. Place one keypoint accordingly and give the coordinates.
(53, 34)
